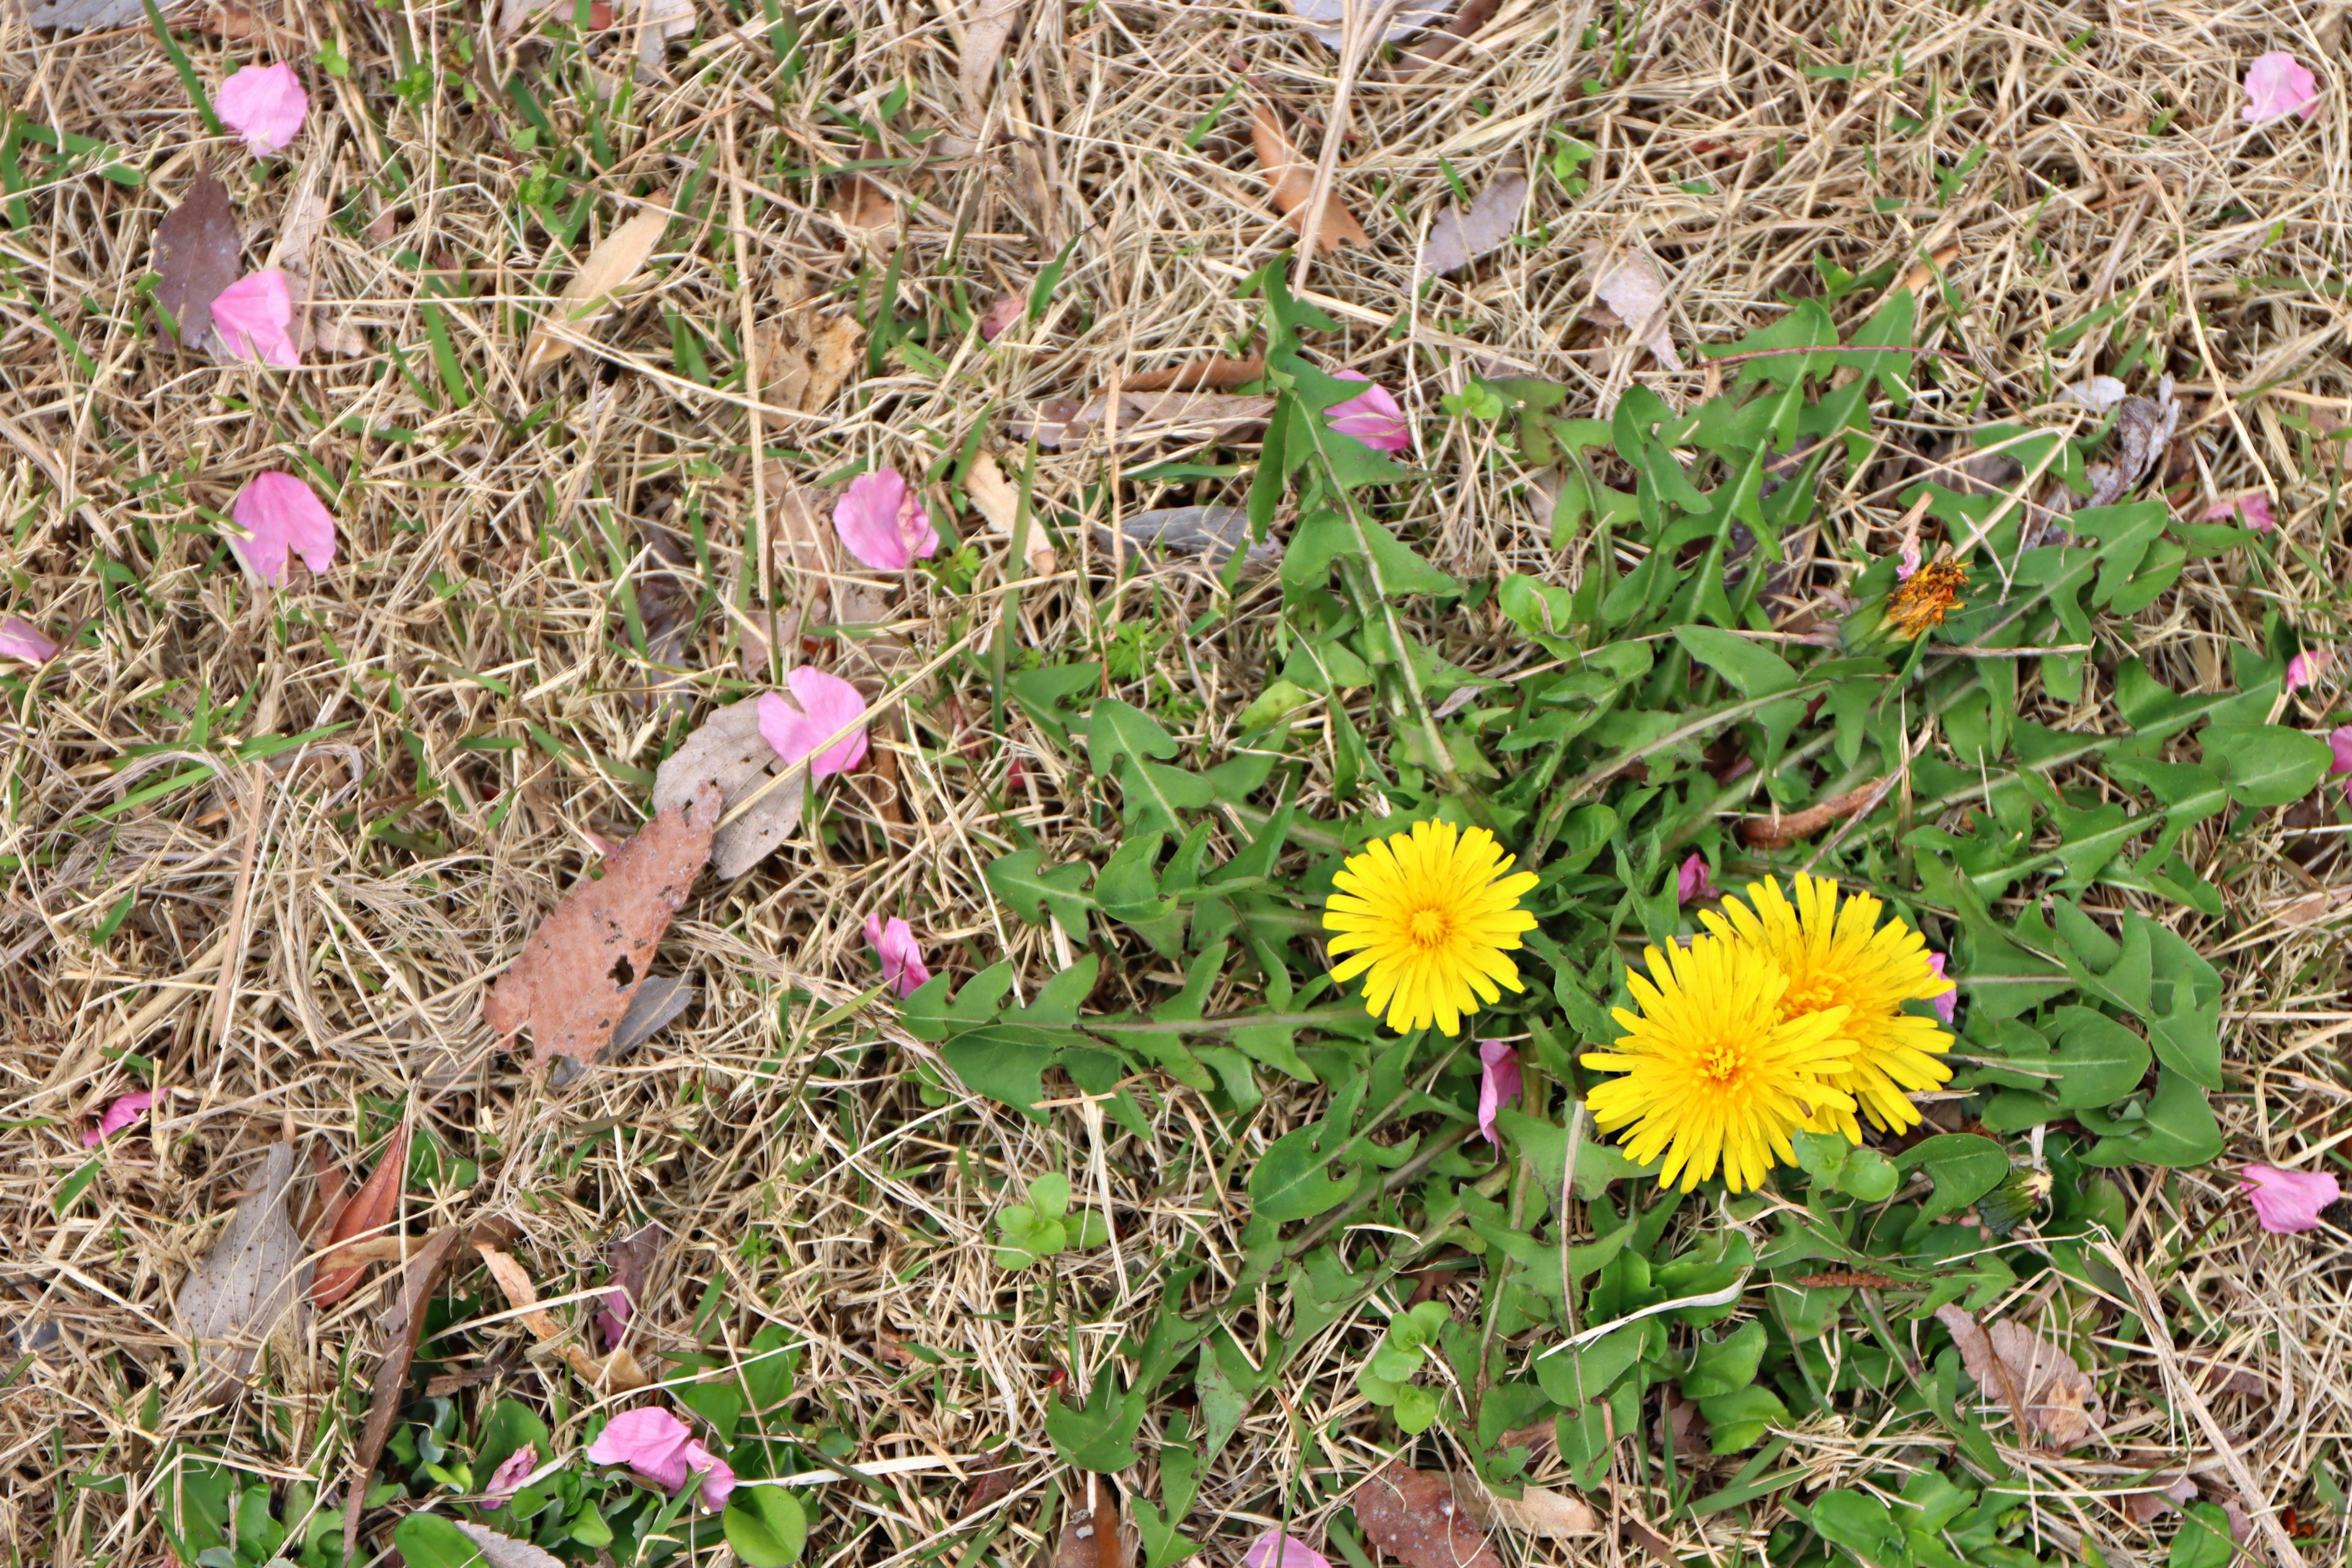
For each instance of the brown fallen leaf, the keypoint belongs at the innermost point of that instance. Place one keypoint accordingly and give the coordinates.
(999, 500)
(1538, 1511)
(987, 1485)
(862, 206)
(374, 1207)
(631, 1260)
(728, 751)
(611, 267)
(805, 361)
(1462, 234)
(1412, 1515)
(2165, 1495)
(403, 1325)
(504, 1550)
(1218, 375)
(198, 253)
(615, 1373)
(300, 229)
(576, 974)
(1426, 55)
(1092, 1534)
(657, 22)
(248, 1285)
(328, 1195)
(1779, 832)
(1144, 416)
(2047, 1395)
(1290, 180)
(1001, 313)
(987, 26)
(1636, 296)
(1920, 277)
(232, 19)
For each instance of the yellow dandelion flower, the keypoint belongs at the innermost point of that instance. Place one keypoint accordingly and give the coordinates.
(1838, 958)
(1428, 916)
(1714, 1072)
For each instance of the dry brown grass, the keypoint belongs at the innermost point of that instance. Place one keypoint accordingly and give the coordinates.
(484, 557)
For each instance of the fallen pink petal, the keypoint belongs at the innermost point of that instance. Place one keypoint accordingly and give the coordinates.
(1947, 1001)
(1371, 418)
(281, 513)
(1276, 1549)
(2339, 743)
(2287, 1202)
(119, 1114)
(717, 1476)
(254, 318)
(883, 523)
(1500, 1082)
(612, 1318)
(1906, 566)
(1695, 883)
(2277, 85)
(902, 957)
(650, 1441)
(821, 704)
(2306, 667)
(2252, 509)
(264, 104)
(20, 641)
(507, 1478)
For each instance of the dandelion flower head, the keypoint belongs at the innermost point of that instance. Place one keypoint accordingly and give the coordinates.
(1429, 917)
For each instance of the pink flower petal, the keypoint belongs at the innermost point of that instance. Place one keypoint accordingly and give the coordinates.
(2304, 669)
(612, 1318)
(507, 1478)
(883, 522)
(2276, 86)
(125, 1110)
(902, 957)
(1908, 562)
(717, 1477)
(1373, 418)
(253, 317)
(2252, 509)
(651, 1441)
(1947, 1001)
(1694, 881)
(2286, 1202)
(264, 104)
(20, 641)
(281, 513)
(2340, 742)
(1500, 1082)
(1276, 1549)
(820, 705)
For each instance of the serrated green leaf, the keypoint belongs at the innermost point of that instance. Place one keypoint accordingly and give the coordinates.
(1099, 1435)
(1029, 890)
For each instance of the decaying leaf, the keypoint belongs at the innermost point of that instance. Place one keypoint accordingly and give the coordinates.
(197, 254)
(1327, 18)
(300, 229)
(1636, 296)
(987, 25)
(611, 267)
(1290, 180)
(728, 751)
(2047, 1395)
(403, 1325)
(1412, 1515)
(1538, 1511)
(2164, 1495)
(1093, 1534)
(805, 360)
(1218, 375)
(999, 501)
(1778, 832)
(1211, 532)
(2144, 427)
(578, 972)
(504, 1550)
(657, 22)
(657, 1005)
(1428, 54)
(1144, 416)
(861, 206)
(248, 1286)
(615, 1373)
(1460, 235)
(375, 1207)
(86, 15)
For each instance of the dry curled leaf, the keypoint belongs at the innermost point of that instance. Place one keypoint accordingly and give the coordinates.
(403, 1325)
(862, 206)
(249, 1283)
(1328, 18)
(1000, 502)
(2047, 1395)
(805, 361)
(504, 1550)
(728, 751)
(1290, 180)
(1094, 1535)
(1220, 375)
(614, 1374)
(987, 25)
(577, 973)
(1779, 832)
(1061, 422)
(1462, 234)
(1428, 54)
(1636, 296)
(2144, 427)
(87, 16)
(197, 254)
(1412, 1515)
(611, 267)
(368, 1213)
(1538, 1511)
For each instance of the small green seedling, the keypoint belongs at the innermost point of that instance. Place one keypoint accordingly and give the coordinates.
(1027, 1233)
(1387, 1378)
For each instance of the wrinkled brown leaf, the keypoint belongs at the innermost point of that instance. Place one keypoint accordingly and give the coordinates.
(1207, 375)
(1290, 180)
(1460, 235)
(631, 1260)
(611, 267)
(987, 25)
(1144, 416)
(2047, 1395)
(197, 254)
(1538, 1511)
(657, 1005)
(2165, 1497)
(1001, 313)
(402, 1324)
(727, 750)
(248, 1284)
(1092, 1534)
(1412, 1515)
(1636, 296)
(803, 362)
(615, 1373)
(1779, 832)
(300, 229)
(987, 1485)
(2144, 427)
(87, 16)
(369, 1210)
(586, 960)
(504, 1550)
(1427, 54)
(657, 22)
(862, 206)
